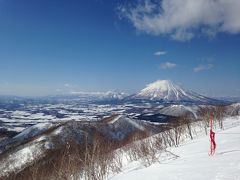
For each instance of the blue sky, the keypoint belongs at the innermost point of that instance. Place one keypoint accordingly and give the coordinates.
(58, 46)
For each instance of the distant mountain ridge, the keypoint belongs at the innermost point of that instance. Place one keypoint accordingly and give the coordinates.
(160, 90)
(101, 95)
(89, 96)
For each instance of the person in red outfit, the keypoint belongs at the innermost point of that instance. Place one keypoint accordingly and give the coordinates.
(213, 143)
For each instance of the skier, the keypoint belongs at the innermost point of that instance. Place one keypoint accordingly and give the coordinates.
(213, 143)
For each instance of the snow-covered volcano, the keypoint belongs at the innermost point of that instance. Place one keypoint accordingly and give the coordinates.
(168, 91)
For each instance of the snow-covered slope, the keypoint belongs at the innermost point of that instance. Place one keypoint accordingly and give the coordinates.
(191, 160)
(34, 143)
(120, 127)
(233, 109)
(26, 135)
(180, 110)
(167, 91)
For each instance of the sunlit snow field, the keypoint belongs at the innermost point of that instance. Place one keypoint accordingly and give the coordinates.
(191, 159)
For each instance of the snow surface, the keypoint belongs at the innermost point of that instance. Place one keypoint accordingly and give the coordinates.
(234, 109)
(179, 110)
(127, 121)
(33, 131)
(22, 157)
(115, 119)
(191, 160)
(120, 127)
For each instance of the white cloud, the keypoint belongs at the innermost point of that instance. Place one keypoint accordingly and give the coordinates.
(67, 85)
(58, 90)
(160, 53)
(183, 19)
(167, 65)
(202, 67)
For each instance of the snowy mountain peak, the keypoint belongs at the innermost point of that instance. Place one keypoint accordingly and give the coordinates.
(162, 89)
(159, 86)
(168, 91)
